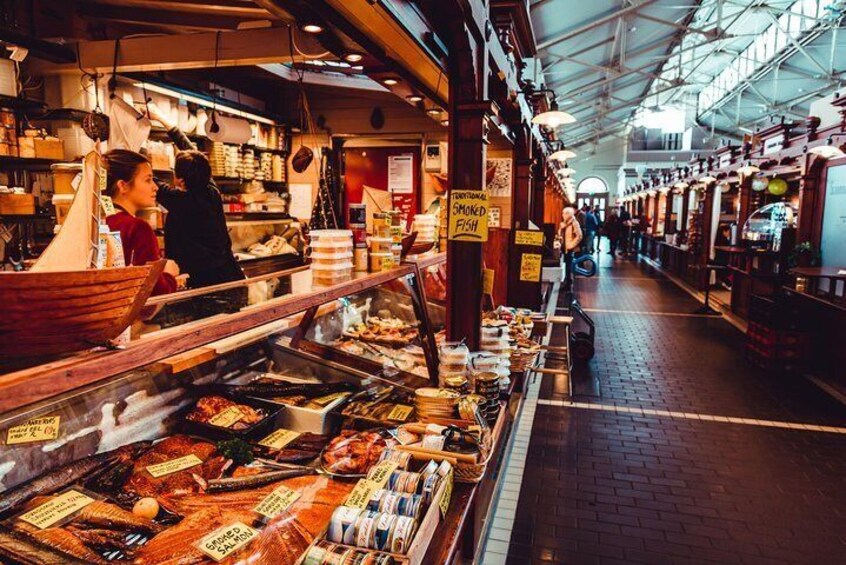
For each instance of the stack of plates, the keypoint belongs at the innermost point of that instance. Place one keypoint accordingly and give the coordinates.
(435, 403)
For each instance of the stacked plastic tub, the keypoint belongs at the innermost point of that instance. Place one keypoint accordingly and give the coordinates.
(452, 368)
(426, 226)
(331, 256)
(496, 340)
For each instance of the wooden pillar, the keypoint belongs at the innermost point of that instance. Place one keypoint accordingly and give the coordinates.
(707, 210)
(809, 226)
(468, 113)
(538, 203)
(685, 209)
(744, 193)
(656, 200)
(669, 200)
(523, 189)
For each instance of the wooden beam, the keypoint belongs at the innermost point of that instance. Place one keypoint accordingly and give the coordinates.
(160, 18)
(235, 9)
(197, 51)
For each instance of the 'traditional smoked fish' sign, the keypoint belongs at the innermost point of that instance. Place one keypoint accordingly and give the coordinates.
(468, 215)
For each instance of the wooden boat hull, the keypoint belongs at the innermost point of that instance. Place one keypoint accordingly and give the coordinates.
(48, 313)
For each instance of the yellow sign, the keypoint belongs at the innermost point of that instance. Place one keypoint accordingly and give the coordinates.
(107, 205)
(279, 439)
(488, 281)
(528, 237)
(530, 267)
(227, 418)
(380, 474)
(47, 514)
(277, 502)
(174, 465)
(446, 495)
(468, 215)
(361, 494)
(329, 399)
(226, 540)
(400, 412)
(37, 429)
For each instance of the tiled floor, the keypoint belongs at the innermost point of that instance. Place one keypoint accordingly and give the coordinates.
(704, 460)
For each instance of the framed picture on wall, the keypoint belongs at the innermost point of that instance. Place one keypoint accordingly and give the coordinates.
(500, 185)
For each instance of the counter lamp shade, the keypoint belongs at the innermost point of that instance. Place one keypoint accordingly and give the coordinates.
(553, 117)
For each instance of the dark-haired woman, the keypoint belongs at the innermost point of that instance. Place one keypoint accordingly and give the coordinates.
(131, 188)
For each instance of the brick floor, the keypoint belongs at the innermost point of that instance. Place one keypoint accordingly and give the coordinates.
(613, 487)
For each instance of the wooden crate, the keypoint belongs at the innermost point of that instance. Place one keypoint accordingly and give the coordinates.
(17, 204)
(49, 148)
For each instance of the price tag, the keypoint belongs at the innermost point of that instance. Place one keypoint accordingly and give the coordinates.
(47, 514)
(227, 418)
(528, 237)
(226, 540)
(400, 412)
(361, 494)
(279, 439)
(174, 465)
(446, 494)
(380, 474)
(468, 215)
(329, 399)
(107, 205)
(530, 267)
(488, 281)
(277, 502)
(37, 429)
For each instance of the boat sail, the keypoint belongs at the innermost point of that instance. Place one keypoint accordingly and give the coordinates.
(64, 304)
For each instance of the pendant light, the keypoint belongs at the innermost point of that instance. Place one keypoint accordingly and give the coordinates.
(748, 169)
(566, 171)
(827, 151)
(553, 117)
(562, 155)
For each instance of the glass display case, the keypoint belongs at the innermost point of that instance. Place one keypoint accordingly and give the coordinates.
(766, 226)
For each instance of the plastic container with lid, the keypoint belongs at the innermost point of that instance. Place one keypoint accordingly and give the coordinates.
(338, 236)
(360, 259)
(381, 244)
(331, 274)
(483, 360)
(332, 258)
(396, 249)
(381, 261)
(453, 352)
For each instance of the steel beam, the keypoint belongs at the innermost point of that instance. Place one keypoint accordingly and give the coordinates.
(588, 26)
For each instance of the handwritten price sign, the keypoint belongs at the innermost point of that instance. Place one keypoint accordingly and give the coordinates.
(37, 429)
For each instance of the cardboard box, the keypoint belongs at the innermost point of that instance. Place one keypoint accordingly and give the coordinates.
(26, 147)
(17, 204)
(49, 148)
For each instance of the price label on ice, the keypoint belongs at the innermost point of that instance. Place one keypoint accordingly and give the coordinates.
(277, 502)
(37, 429)
(174, 465)
(227, 418)
(279, 439)
(62, 506)
(226, 540)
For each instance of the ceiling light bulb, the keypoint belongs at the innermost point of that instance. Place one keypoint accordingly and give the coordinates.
(414, 98)
(433, 112)
(444, 122)
(312, 28)
(705, 179)
(566, 171)
(353, 57)
(553, 117)
(748, 169)
(390, 82)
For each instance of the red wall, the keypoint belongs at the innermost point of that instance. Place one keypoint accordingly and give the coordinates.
(369, 166)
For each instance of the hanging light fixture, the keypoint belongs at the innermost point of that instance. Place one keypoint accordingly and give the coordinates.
(827, 151)
(748, 169)
(566, 171)
(707, 179)
(553, 117)
(681, 185)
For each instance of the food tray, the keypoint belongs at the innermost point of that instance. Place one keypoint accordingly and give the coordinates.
(272, 412)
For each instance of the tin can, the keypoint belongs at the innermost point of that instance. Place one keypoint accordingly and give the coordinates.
(357, 214)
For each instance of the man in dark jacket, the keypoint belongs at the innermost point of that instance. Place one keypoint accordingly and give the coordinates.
(196, 236)
(591, 228)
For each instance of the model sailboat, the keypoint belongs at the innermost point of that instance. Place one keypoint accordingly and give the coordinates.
(64, 304)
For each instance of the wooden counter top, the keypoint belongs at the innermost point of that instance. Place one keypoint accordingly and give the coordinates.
(820, 272)
(730, 249)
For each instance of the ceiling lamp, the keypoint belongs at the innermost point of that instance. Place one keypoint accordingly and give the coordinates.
(353, 57)
(681, 185)
(414, 98)
(390, 82)
(707, 178)
(827, 151)
(312, 28)
(444, 123)
(748, 169)
(562, 155)
(664, 189)
(566, 171)
(553, 117)
(433, 112)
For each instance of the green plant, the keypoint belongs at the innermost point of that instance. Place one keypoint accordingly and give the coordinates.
(805, 252)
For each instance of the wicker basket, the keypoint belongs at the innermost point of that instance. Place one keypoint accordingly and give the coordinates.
(523, 359)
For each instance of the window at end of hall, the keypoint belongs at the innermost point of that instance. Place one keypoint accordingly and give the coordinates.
(592, 185)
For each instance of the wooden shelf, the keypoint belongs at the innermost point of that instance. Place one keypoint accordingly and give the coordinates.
(24, 162)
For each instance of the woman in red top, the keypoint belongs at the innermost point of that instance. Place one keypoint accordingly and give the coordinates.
(130, 186)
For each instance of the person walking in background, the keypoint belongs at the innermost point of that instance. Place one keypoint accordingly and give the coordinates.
(613, 231)
(600, 224)
(591, 228)
(570, 234)
(625, 229)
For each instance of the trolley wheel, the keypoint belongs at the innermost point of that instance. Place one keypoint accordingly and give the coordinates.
(581, 348)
